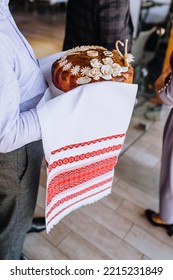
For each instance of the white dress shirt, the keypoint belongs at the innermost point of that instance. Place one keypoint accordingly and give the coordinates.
(21, 86)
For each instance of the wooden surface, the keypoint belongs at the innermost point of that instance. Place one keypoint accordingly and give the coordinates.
(115, 227)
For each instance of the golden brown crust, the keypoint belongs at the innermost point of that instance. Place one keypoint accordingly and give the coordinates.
(89, 64)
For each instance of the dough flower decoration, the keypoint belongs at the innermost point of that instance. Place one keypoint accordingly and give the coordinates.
(106, 72)
(75, 70)
(67, 66)
(117, 69)
(95, 63)
(95, 73)
(85, 71)
(108, 61)
(63, 62)
(129, 58)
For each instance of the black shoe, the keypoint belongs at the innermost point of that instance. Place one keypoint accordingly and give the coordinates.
(38, 225)
(150, 217)
(23, 257)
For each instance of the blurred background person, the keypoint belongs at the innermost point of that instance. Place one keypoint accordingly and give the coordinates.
(164, 87)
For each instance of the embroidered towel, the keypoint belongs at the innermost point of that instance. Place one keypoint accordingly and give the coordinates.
(83, 132)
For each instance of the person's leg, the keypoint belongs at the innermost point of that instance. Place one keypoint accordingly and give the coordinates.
(19, 179)
(166, 174)
(165, 216)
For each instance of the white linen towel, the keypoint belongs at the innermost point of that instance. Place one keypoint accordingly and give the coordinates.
(83, 132)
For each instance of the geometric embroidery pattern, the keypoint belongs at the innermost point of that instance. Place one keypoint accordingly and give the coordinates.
(88, 143)
(79, 174)
(83, 156)
(77, 194)
(70, 179)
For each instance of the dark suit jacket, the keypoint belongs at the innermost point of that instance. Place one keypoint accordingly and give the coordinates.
(97, 22)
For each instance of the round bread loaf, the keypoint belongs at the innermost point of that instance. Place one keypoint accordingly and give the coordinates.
(89, 64)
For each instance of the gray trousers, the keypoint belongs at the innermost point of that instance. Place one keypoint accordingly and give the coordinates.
(19, 180)
(166, 174)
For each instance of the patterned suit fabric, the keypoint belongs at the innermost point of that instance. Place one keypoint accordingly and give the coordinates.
(100, 22)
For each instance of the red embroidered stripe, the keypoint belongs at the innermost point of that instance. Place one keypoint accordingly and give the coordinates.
(95, 194)
(69, 197)
(87, 143)
(83, 156)
(70, 179)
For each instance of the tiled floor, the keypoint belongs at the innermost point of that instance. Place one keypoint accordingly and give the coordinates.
(115, 227)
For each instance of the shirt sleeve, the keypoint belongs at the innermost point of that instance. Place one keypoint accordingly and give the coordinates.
(16, 128)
